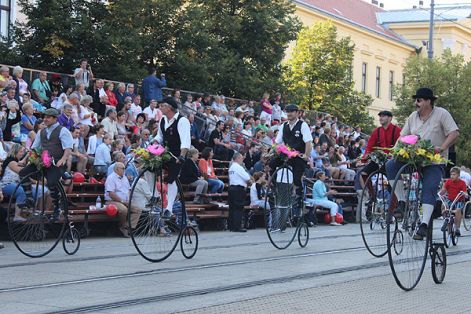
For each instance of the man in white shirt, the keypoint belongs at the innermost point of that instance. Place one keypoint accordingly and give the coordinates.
(83, 74)
(136, 106)
(151, 111)
(109, 123)
(117, 193)
(238, 180)
(173, 133)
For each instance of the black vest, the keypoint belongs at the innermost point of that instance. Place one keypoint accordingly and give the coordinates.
(53, 145)
(171, 136)
(294, 138)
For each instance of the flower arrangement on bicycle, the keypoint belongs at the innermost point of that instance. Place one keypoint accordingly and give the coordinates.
(284, 152)
(40, 158)
(412, 149)
(154, 157)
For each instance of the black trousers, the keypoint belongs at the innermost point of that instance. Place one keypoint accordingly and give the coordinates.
(53, 176)
(298, 165)
(173, 168)
(237, 197)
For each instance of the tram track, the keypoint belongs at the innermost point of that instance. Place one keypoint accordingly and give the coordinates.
(232, 287)
(123, 255)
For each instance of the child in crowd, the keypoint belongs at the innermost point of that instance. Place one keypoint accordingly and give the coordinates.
(258, 190)
(319, 197)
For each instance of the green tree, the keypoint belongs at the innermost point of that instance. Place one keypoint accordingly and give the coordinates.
(318, 75)
(449, 77)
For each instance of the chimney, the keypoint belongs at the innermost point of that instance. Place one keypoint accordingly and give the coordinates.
(381, 5)
(375, 2)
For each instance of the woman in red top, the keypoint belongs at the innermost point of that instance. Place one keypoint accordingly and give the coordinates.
(206, 168)
(112, 100)
(453, 187)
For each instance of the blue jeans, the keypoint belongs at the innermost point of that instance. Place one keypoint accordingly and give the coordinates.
(20, 195)
(215, 186)
(431, 177)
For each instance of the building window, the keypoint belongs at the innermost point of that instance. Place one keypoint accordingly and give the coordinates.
(378, 82)
(363, 77)
(5, 9)
(391, 84)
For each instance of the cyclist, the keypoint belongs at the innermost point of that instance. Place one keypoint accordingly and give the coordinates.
(58, 141)
(429, 123)
(296, 134)
(453, 187)
(174, 133)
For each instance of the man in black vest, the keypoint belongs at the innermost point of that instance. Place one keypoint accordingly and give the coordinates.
(174, 133)
(58, 141)
(296, 134)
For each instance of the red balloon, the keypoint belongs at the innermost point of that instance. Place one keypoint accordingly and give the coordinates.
(78, 177)
(327, 218)
(111, 210)
(338, 218)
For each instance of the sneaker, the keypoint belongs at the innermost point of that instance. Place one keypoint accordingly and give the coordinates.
(167, 214)
(421, 232)
(458, 233)
(335, 224)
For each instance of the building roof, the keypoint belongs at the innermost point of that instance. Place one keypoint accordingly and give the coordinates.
(446, 13)
(357, 12)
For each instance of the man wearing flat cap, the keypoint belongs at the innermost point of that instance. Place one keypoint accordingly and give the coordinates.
(432, 123)
(173, 133)
(58, 141)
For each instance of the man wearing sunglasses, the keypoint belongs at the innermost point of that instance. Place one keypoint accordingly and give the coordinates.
(296, 134)
(429, 123)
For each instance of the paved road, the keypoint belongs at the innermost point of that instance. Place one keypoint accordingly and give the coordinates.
(231, 272)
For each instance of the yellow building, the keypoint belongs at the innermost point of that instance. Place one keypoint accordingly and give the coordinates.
(380, 54)
(384, 40)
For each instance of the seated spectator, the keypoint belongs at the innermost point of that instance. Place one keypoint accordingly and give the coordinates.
(145, 138)
(121, 125)
(319, 197)
(112, 101)
(342, 164)
(261, 164)
(152, 112)
(36, 106)
(130, 92)
(117, 192)
(41, 89)
(65, 119)
(136, 106)
(196, 140)
(191, 175)
(27, 122)
(13, 116)
(222, 150)
(267, 109)
(117, 157)
(316, 157)
(251, 157)
(109, 123)
(103, 156)
(95, 140)
(247, 131)
(140, 124)
(258, 191)
(120, 94)
(207, 169)
(78, 154)
(85, 113)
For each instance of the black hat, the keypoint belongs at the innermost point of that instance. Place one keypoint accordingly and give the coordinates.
(170, 101)
(53, 112)
(385, 113)
(425, 93)
(291, 107)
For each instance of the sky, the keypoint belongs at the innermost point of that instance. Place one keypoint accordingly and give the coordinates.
(407, 4)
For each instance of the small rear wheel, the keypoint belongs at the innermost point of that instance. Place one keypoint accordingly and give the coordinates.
(71, 241)
(189, 242)
(454, 237)
(447, 234)
(438, 263)
(303, 235)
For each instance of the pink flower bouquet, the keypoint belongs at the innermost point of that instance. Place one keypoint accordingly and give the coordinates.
(409, 139)
(46, 159)
(156, 149)
(285, 150)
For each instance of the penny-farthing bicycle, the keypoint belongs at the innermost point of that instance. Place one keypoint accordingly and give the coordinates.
(284, 219)
(407, 257)
(156, 236)
(33, 228)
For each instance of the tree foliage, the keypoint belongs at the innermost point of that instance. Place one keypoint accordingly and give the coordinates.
(318, 75)
(226, 46)
(449, 76)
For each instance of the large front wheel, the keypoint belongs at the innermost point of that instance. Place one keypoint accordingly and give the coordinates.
(155, 236)
(407, 260)
(467, 216)
(33, 226)
(281, 211)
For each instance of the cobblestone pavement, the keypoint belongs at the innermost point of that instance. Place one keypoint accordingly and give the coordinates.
(231, 272)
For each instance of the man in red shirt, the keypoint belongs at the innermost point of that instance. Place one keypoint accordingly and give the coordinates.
(384, 136)
(453, 187)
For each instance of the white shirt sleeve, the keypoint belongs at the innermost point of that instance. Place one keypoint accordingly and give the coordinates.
(253, 194)
(306, 132)
(185, 133)
(159, 137)
(279, 136)
(91, 145)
